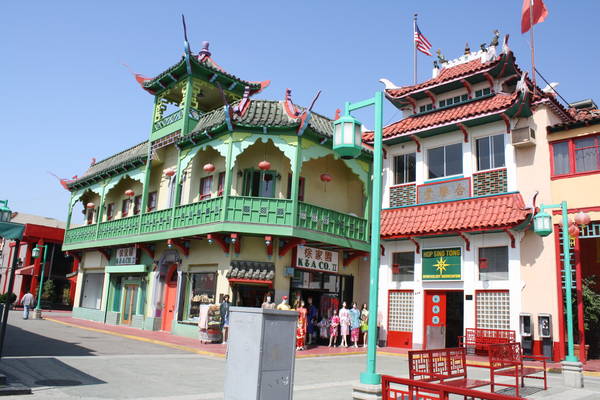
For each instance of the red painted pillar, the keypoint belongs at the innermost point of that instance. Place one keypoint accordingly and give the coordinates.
(580, 311)
(73, 281)
(35, 278)
(26, 262)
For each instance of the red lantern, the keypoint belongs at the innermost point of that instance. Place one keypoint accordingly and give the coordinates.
(264, 165)
(129, 193)
(209, 167)
(169, 172)
(90, 205)
(582, 218)
(326, 178)
(573, 231)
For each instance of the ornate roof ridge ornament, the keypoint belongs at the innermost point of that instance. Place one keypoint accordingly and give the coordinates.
(204, 52)
(290, 108)
(389, 84)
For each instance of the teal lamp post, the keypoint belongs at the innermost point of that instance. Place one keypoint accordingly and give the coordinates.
(347, 142)
(35, 253)
(542, 225)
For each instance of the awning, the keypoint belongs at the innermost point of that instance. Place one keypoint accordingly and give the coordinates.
(125, 269)
(11, 230)
(476, 214)
(25, 270)
(254, 272)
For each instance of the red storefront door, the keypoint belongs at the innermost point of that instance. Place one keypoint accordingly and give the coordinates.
(435, 320)
(169, 299)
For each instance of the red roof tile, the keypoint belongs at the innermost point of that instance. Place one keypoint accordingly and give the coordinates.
(442, 117)
(446, 74)
(483, 213)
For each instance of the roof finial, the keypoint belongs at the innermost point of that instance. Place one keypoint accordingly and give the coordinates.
(496, 38)
(467, 49)
(440, 57)
(204, 52)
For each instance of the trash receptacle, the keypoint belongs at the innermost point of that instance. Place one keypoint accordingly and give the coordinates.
(261, 354)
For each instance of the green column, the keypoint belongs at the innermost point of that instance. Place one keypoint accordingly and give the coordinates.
(228, 179)
(296, 171)
(147, 174)
(568, 282)
(99, 214)
(177, 188)
(70, 212)
(186, 103)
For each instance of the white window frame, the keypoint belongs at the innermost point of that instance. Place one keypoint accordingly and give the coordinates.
(476, 152)
(462, 164)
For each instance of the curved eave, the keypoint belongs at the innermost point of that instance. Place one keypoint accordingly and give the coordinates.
(107, 173)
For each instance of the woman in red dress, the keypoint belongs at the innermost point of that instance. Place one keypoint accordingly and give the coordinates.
(301, 327)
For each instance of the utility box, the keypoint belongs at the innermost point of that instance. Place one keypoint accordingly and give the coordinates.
(526, 331)
(545, 333)
(261, 354)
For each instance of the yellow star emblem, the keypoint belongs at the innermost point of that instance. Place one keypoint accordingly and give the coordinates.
(441, 265)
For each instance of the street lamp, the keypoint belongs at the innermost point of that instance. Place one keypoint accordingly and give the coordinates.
(347, 142)
(35, 253)
(542, 225)
(5, 212)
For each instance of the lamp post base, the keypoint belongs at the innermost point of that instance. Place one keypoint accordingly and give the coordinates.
(572, 374)
(37, 314)
(362, 391)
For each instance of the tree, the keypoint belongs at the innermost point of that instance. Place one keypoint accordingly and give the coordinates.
(49, 292)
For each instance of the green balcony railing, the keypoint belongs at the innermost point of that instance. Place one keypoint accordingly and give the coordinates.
(203, 212)
(79, 234)
(260, 210)
(251, 210)
(328, 221)
(119, 227)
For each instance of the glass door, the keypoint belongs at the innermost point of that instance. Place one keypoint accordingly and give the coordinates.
(129, 303)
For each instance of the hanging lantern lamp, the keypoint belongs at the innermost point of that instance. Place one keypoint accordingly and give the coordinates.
(169, 172)
(90, 205)
(326, 178)
(129, 192)
(209, 167)
(573, 230)
(264, 165)
(582, 218)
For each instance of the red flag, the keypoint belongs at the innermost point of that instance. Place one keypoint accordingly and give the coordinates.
(540, 12)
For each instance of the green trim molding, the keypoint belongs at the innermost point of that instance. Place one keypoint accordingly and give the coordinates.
(125, 269)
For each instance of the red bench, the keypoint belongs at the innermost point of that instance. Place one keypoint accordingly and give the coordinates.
(446, 366)
(393, 388)
(480, 339)
(507, 360)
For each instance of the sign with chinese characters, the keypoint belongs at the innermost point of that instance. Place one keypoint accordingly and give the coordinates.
(126, 256)
(441, 264)
(316, 259)
(443, 191)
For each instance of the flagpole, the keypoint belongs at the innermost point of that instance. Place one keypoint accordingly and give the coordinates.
(415, 49)
(532, 44)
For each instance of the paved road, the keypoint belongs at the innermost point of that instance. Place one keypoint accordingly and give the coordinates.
(63, 362)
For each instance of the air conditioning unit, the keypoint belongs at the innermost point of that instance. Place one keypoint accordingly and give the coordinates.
(522, 137)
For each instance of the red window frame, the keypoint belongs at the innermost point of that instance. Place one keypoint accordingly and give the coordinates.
(221, 183)
(572, 153)
(125, 208)
(110, 211)
(152, 200)
(205, 195)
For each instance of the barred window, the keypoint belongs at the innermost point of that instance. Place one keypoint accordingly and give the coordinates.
(493, 310)
(400, 311)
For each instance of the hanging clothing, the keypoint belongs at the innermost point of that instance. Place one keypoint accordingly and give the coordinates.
(344, 321)
(333, 325)
(354, 333)
(323, 328)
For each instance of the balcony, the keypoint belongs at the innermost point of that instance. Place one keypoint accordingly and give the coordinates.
(253, 215)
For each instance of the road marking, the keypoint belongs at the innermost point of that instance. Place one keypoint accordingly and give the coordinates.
(141, 339)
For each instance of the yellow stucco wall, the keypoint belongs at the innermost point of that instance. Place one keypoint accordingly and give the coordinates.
(194, 172)
(116, 195)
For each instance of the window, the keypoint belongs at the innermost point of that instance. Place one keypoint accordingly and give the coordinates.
(125, 208)
(202, 290)
(152, 200)
(445, 161)
(401, 310)
(576, 156)
(427, 107)
(110, 211)
(259, 183)
(205, 187)
(300, 188)
(490, 152)
(493, 263)
(137, 203)
(404, 168)
(221, 184)
(89, 215)
(492, 310)
(403, 266)
(483, 92)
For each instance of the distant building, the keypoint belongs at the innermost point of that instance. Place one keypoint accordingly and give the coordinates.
(38, 231)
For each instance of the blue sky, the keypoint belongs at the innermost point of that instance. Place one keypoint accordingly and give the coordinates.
(68, 98)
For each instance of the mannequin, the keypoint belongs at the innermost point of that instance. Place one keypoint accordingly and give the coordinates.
(354, 324)
(284, 304)
(364, 323)
(344, 325)
(301, 327)
(224, 313)
(333, 329)
(313, 314)
(268, 303)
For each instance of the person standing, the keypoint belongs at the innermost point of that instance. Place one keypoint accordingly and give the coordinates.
(27, 302)
(224, 312)
(354, 324)
(313, 314)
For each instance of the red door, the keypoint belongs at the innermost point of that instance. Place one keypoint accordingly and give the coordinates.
(435, 320)
(170, 298)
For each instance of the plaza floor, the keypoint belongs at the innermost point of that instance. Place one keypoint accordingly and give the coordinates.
(62, 358)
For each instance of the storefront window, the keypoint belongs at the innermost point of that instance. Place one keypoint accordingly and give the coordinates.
(202, 290)
(91, 295)
(493, 263)
(403, 266)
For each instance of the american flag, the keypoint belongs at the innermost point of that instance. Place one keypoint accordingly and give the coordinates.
(421, 41)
